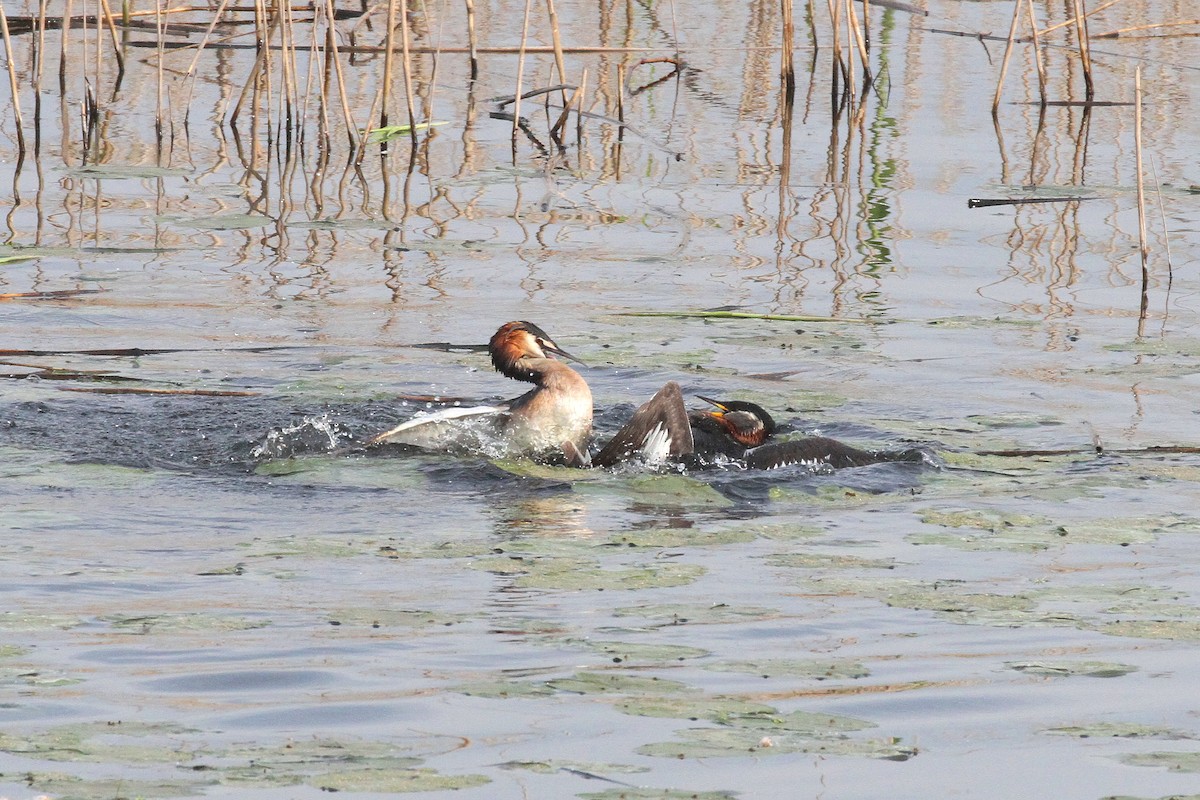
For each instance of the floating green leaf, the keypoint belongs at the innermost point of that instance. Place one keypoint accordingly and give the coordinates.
(786, 668)
(172, 623)
(984, 519)
(70, 787)
(663, 490)
(100, 742)
(555, 765)
(733, 742)
(716, 709)
(697, 614)
(932, 599)
(812, 560)
(389, 132)
(1153, 628)
(224, 222)
(616, 683)
(393, 617)
(641, 652)
(577, 574)
(18, 621)
(394, 780)
(124, 171)
(1176, 762)
(1091, 669)
(680, 537)
(806, 723)
(373, 473)
(1119, 730)
(504, 689)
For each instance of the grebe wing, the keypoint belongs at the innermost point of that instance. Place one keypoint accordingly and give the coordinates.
(438, 429)
(659, 429)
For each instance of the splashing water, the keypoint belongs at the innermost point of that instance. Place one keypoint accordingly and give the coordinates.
(311, 435)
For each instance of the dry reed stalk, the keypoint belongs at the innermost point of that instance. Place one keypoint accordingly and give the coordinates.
(576, 98)
(516, 126)
(556, 41)
(406, 35)
(191, 70)
(579, 114)
(1037, 51)
(1008, 47)
(260, 74)
(291, 86)
(787, 102)
(839, 64)
(621, 101)
(471, 42)
(331, 51)
(1071, 21)
(1144, 247)
(12, 81)
(850, 38)
(91, 109)
(787, 67)
(318, 76)
(1116, 34)
(116, 42)
(859, 40)
(389, 53)
(63, 50)
(39, 67)
(866, 26)
(158, 101)
(1085, 55)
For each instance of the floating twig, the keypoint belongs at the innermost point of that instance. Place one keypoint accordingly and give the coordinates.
(148, 390)
(1159, 449)
(739, 315)
(49, 295)
(980, 202)
(138, 352)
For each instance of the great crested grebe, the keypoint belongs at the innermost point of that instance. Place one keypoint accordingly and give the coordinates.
(736, 432)
(552, 421)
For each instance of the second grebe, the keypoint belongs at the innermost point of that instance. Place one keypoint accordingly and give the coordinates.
(552, 421)
(736, 432)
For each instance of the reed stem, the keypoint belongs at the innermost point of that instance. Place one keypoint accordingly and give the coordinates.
(1143, 246)
(471, 42)
(556, 40)
(787, 67)
(516, 126)
(405, 35)
(1037, 51)
(1008, 47)
(1085, 53)
(12, 80)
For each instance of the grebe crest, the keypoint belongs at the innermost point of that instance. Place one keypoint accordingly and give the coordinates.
(515, 342)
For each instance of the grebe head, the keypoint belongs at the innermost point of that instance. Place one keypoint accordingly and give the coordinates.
(515, 342)
(748, 423)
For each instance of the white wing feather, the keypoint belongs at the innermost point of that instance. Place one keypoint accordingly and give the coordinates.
(424, 430)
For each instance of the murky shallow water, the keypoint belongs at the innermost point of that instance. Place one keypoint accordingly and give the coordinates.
(181, 617)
